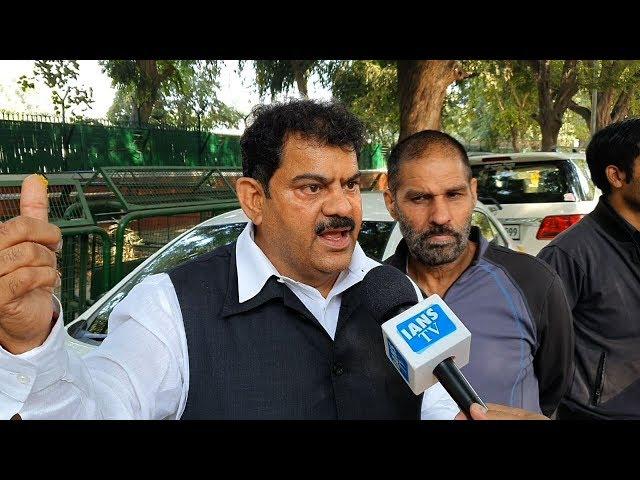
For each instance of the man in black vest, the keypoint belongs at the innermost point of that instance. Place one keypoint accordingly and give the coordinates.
(268, 327)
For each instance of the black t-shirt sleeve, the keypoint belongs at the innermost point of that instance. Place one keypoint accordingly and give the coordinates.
(553, 362)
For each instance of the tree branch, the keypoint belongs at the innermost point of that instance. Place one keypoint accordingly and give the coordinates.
(621, 107)
(568, 86)
(584, 112)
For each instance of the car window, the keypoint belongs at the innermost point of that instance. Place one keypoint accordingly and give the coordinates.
(373, 238)
(197, 242)
(584, 176)
(535, 182)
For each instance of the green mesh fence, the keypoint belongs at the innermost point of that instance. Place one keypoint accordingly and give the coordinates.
(82, 264)
(140, 188)
(29, 144)
(32, 146)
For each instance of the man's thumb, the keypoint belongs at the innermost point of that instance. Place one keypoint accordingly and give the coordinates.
(34, 202)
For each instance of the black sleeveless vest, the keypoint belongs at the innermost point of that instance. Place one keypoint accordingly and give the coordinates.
(269, 358)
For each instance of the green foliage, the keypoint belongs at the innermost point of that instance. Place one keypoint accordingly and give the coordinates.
(140, 83)
(276, 76)
(60, 76)
(494, 108)
(180, 93)
(573, 128)
(369, 89)
(603, 74)
(616, 82)
(194, 103)
(120, 110)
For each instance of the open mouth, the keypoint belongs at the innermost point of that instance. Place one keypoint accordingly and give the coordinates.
(336, 238)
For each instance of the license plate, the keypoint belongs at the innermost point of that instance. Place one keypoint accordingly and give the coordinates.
(513, 231)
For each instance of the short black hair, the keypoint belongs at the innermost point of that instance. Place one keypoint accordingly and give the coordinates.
(617, 144)
(413, 145)
(329, 123)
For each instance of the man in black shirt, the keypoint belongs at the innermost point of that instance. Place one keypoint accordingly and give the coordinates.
(598, 260)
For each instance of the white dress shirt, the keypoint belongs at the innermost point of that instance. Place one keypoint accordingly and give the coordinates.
(141, 370)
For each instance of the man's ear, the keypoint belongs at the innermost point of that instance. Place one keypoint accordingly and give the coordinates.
(615, 176)
(252, 197)
(390, 202)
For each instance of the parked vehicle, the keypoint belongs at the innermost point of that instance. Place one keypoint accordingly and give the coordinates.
(535, 195)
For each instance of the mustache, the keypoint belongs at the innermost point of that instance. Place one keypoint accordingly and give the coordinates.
(335, 222)
(440, 230)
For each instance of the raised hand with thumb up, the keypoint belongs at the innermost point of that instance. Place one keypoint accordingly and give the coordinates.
(28, 270)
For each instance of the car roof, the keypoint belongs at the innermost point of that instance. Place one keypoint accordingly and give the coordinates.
(373, 210)
(524, 157)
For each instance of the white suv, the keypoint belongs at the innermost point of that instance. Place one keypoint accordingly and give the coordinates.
(535, 195)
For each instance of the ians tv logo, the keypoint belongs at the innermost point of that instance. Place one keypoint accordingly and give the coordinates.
(426, 328)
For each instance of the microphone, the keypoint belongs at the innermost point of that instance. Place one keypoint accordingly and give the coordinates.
(425, 340)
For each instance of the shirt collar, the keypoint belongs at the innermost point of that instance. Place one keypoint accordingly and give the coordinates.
(613, 223)
(254, 268)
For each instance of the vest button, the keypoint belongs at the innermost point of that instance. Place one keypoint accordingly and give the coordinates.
(337, 369)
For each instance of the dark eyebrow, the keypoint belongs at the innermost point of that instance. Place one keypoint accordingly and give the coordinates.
(321, 179)
(412, 193)
(354, 177)
(311, 176)
(457, 188)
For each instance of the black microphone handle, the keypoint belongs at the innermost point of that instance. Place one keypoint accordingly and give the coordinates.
(453, 381)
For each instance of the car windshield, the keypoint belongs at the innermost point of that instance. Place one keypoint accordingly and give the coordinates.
(373, 239)
(531, 182)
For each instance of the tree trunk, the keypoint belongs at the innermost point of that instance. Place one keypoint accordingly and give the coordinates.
(623, 105)
(550, 130)
(515, 139)
(604, 106)
(134, 118)
(300, 73)
(553, 101)
(147, 91)
(422, 88)
(145, 111)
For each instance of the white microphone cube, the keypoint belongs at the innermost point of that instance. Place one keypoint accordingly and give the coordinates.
(418, 339)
